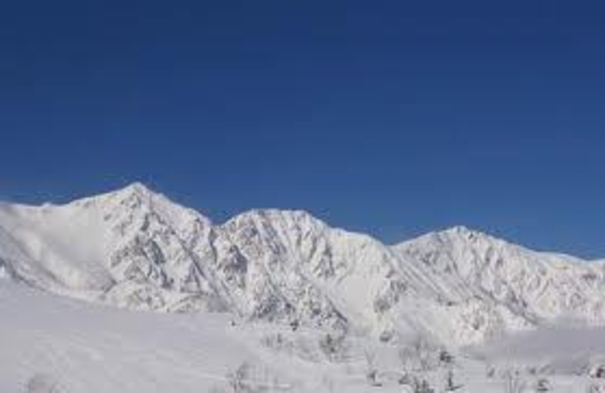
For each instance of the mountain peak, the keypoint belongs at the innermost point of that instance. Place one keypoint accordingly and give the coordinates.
(459, 234)
(463, 231)
(136, 188)
(135, 194)
(286, 219)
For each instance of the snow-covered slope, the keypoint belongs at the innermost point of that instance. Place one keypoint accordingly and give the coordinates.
(55, 344)
(515, 287)
(131, 247)
(82, 348)
(134, 248)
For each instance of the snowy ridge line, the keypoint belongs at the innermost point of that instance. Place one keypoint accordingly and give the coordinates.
(137, 249)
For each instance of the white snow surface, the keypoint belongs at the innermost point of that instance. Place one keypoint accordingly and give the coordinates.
(78, 347)
(137, 249)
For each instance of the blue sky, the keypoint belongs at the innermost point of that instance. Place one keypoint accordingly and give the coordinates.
(386, 117)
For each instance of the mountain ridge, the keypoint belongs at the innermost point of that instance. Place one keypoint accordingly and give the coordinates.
(135, 248)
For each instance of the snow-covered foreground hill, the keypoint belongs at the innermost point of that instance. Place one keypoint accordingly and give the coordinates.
(564, 350)
(78, 347)
(85, 348)
(136, 249)
(95, 349)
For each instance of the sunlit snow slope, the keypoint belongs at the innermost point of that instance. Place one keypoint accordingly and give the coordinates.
(137, 249)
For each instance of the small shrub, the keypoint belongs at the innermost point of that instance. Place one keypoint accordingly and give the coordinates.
(42, 383)
(542, 385)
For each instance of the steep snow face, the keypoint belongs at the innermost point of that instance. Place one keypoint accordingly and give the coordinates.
(299, 268)
(47, 247)
(134, 248)
(132, 242)
(533, 287)
(271, 250)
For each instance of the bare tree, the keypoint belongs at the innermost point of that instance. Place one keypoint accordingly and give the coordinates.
(542, 385)
(445, 357)
(333, 346)
(405, 362)
(450, 383)
(415, 356)
(419, 352)
(421, 386)
(371, 371)
(238, 379)
(42, 383)
(328, 383)
(513, 382)
(490, 371)
(595, 388)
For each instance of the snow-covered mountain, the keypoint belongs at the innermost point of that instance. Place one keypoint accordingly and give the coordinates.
(134, 248)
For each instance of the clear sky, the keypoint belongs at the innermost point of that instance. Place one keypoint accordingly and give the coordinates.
(392, 118)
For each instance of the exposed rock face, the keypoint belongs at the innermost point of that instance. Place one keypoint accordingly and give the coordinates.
(137, 249)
